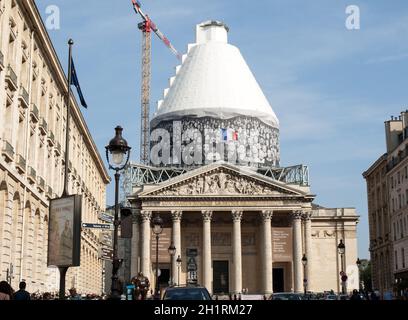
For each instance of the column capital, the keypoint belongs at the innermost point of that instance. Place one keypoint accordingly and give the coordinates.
(145, 215)
(176, 215)
(266, 215)
(207, 215)
(307, 215)
(297, 215)
(135, 215)
(237, 215)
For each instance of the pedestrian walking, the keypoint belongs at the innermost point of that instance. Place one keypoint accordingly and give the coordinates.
(22, 294)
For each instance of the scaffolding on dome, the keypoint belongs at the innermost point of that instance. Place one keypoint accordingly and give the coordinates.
(137, 175)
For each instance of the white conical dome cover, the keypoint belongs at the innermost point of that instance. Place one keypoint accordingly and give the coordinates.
(214, 80)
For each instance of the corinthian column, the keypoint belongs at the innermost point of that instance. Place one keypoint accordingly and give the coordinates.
(207, 274)
(297, 250)
(176, 238)
(236, 252)
(267, 268)
(135, 247)
(145, 217)
(308, 247)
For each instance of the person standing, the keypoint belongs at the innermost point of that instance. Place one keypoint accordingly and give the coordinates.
(22, 294)
(5, 291)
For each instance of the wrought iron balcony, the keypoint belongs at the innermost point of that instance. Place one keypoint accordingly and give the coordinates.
(1, 61)
(35, 114)
(23, 97)
(8, 151)
(41, 184)
(21, 163)
(51, 138)
(11, 78)
(57, 149)
(49, 192)
(43, 126)
(31, 175)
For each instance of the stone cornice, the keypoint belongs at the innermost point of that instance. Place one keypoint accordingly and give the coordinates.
(57, 70)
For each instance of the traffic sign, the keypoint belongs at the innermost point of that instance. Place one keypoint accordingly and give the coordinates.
(106, 217)
(102, 226)
(106, 253)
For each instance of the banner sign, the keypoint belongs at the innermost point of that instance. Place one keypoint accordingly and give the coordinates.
(64, 231)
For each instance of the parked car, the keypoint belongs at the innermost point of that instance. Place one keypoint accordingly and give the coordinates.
(331, 297)
(286, 296)
(186, 293)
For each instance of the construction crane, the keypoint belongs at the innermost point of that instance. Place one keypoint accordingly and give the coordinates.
(147, 26)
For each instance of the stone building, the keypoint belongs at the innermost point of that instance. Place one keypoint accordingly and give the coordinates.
(32, 143)
(379, 225)
(387, 190)
(239, 221)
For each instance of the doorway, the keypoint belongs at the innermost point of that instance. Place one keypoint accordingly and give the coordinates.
(221, 277)
(278, 280)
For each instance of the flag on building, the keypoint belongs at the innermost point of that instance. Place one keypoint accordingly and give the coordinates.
(75, 82)
(229, 135)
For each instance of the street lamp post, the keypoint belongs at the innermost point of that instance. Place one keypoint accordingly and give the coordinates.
(172, 252)
(358, 263)
(117, 155)
(304, 262)
(342, 249)
(157, 230)
(178, 267)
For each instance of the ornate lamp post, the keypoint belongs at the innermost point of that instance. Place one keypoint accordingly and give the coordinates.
(172, 251)
(178, 267)
(304, 262)
(117, 155)
(157, 230)
(342, 249)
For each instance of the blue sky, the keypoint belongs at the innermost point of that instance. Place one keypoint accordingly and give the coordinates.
(330, 87)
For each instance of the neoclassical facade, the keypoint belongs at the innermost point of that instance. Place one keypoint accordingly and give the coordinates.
(235, 229)
(32, 143)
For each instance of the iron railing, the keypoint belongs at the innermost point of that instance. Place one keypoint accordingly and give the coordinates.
(24, 96)
(43, 126)
(8, 150)
(35, 113)
(11, 77)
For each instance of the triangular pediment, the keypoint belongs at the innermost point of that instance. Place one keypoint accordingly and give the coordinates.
(221, 180)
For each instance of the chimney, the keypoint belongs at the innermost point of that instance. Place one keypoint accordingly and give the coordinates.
(393, 129)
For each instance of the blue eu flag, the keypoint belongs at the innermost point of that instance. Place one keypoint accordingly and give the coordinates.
(75, 82)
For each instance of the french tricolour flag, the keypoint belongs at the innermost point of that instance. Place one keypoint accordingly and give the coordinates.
(229, 135)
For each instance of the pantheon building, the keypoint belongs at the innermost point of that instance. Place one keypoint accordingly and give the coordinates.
(239, 220)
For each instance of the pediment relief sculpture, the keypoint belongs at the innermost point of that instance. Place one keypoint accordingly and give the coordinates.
(220, 183)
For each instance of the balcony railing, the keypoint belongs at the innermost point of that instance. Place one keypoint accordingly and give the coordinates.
(23, 97)
(1, 60)
(43, 126)
(31, 175)
(41, 184)
(35, 114)
(51, 138)
(21, 163)
(58, 149)
(11, 78)
(8, 151)
(49, 192)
